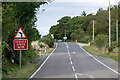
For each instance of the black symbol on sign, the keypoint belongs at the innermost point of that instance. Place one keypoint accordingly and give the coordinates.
(20, 33)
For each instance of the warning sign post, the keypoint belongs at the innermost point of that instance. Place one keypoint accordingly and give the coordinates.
(20, 42)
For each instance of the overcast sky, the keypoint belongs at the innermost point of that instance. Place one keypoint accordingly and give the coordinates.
(59, 8)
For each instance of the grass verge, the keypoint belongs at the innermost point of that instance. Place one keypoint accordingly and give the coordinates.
(27, 70)
(23, 72)
(96, 52)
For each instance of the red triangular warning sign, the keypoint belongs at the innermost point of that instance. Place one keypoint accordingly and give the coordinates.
(20, 34)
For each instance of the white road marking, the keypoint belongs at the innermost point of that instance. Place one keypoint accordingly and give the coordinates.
(73, 68)
(100, 61)
(73, 52)
(76, 77)
(43, 62)
(71, 62)
(69, 55)
(84, 75)
(70, 59)
(67, 47)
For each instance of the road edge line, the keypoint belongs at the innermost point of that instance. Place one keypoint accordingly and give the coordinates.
(100, 61)
(43, 62)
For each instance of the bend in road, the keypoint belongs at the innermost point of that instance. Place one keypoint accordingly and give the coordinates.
(70, 61)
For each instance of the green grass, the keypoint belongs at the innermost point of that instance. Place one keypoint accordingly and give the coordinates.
(93, 51)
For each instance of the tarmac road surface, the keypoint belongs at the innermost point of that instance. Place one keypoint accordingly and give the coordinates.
(69, 60)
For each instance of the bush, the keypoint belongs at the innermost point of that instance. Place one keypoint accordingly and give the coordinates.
(114, 44)
(92, 42)
(110, 49)
(100, 40)
(48, 40)
(85, 39)
(41, 45)
(51, 44)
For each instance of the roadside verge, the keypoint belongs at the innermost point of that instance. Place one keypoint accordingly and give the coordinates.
(27, 70)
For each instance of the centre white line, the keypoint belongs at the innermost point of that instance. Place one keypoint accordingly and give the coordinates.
(73, 68)
(70, 59)
(67, 46)
(71, 62)
(69, 55)
(76, 77)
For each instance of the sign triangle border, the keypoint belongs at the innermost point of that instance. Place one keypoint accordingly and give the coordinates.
(20, 37)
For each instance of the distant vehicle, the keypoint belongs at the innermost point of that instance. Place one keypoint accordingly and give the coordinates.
(59, 40)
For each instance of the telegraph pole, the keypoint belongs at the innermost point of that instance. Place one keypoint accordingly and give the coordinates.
(65, 35)
(93, 29)
(65, 32)
(117, 31)
(109, 26)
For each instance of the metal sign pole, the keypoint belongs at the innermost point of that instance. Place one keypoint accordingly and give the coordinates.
(20, 58)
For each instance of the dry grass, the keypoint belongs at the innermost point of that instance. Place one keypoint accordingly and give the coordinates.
(24, 72)
(101, 52)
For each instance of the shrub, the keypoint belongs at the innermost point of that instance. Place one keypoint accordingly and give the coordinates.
(114, 44)
(48, 40)
(92, 42)
(85, 39)
(51, 44)
(110, 49)
(41, 45)
(100, 40)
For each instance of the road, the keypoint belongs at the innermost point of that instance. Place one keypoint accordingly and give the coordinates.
(69, 60)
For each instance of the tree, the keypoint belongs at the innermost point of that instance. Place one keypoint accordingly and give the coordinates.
(74, 36)
(83, 14)
(48, 40)
(79, 27)
(14, 16)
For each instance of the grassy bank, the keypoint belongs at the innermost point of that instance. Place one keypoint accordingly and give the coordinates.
(27, 70)
(23, 72)
(96, 52)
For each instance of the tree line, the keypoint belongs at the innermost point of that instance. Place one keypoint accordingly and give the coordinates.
(80, 28)
(14, 15)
